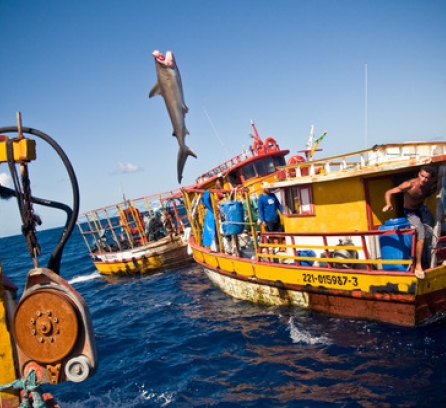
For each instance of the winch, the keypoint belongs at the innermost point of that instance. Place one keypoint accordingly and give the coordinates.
(53, 331)
(48, 336)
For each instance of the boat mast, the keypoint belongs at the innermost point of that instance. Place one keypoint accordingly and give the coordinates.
(365, 108)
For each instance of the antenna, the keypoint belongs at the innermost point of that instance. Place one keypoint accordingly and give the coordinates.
(365, 108)
(122, 192)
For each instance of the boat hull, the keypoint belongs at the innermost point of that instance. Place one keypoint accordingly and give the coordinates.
(163, 255)
(8, 398)
(337, 252)
(396, 297)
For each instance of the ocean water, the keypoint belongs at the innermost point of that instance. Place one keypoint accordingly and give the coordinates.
(174, 340)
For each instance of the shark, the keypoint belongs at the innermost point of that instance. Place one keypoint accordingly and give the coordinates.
(170, 87)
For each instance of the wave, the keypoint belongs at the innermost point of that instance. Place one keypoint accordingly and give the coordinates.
(85, 278)
(298, 335)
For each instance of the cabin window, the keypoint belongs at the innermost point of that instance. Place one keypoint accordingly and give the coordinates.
(278, 161)
(248, 171)
(261, 168)
(299, 200)
(270, 165)
(234, 178)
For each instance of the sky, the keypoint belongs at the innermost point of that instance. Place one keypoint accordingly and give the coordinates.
(367, 72)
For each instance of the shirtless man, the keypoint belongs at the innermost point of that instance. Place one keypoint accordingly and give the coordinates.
(415, 192)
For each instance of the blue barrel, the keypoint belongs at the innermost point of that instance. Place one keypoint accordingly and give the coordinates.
(232, 220)
(395, 247)
(306, 252)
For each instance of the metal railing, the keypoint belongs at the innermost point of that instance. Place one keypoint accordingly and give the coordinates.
(378, 155)
(124, 225)
(333, 250)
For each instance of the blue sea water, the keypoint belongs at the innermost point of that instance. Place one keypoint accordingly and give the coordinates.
(174, 340)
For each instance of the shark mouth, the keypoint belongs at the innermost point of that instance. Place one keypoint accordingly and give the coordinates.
(165, 60)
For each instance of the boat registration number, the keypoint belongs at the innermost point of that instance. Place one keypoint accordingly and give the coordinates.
(324, 279)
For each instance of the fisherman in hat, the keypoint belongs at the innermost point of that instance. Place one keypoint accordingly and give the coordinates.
(268, 207)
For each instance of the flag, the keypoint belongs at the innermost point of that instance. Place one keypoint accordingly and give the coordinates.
(316, 143)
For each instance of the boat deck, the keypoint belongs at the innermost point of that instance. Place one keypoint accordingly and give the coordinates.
(378, 158)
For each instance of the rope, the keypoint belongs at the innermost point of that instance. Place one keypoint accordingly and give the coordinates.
(29, 219)
(29, 385)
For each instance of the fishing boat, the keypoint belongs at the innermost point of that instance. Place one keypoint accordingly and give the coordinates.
(47, 336)
(260, 161)
(339, 253)
(139, 236)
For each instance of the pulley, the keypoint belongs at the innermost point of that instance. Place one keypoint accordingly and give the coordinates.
(52, 329)
(46, 325)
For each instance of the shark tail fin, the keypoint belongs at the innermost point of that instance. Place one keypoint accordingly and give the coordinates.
(183, 153)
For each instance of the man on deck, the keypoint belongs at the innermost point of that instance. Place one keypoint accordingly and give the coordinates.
(268, 207)
(415, 191)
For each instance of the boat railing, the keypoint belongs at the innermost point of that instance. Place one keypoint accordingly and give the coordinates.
(124, 225)
(368, 250)
(377, 155)
(341, 250)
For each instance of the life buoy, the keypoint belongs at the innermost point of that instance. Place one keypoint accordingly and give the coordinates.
(271, 144)
(258, 146)
(294, 160)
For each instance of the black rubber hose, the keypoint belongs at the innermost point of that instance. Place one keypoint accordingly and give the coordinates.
(6, 193)
(56, 256)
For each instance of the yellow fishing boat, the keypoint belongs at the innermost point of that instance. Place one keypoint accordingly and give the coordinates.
(339, 252)
(140, 236)
(47, 336)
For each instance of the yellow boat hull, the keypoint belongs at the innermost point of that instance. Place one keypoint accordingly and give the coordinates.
(392, 297)
(8, 371)
(152, 258)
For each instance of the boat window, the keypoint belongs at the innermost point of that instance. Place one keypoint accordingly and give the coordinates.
(261, 168)
(234, 178)
(248, 171)
(299, 200)
(279, 161)
(270, 165)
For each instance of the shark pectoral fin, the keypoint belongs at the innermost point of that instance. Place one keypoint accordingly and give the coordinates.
(156, 90)
(185, 108)
(183, 152)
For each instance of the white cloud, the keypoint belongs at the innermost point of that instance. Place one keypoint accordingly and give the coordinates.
(128, 167)
(5, 180)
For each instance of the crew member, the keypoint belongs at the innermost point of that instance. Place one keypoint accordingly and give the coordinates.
(269, 208)
(415, 191)
(156, 230)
